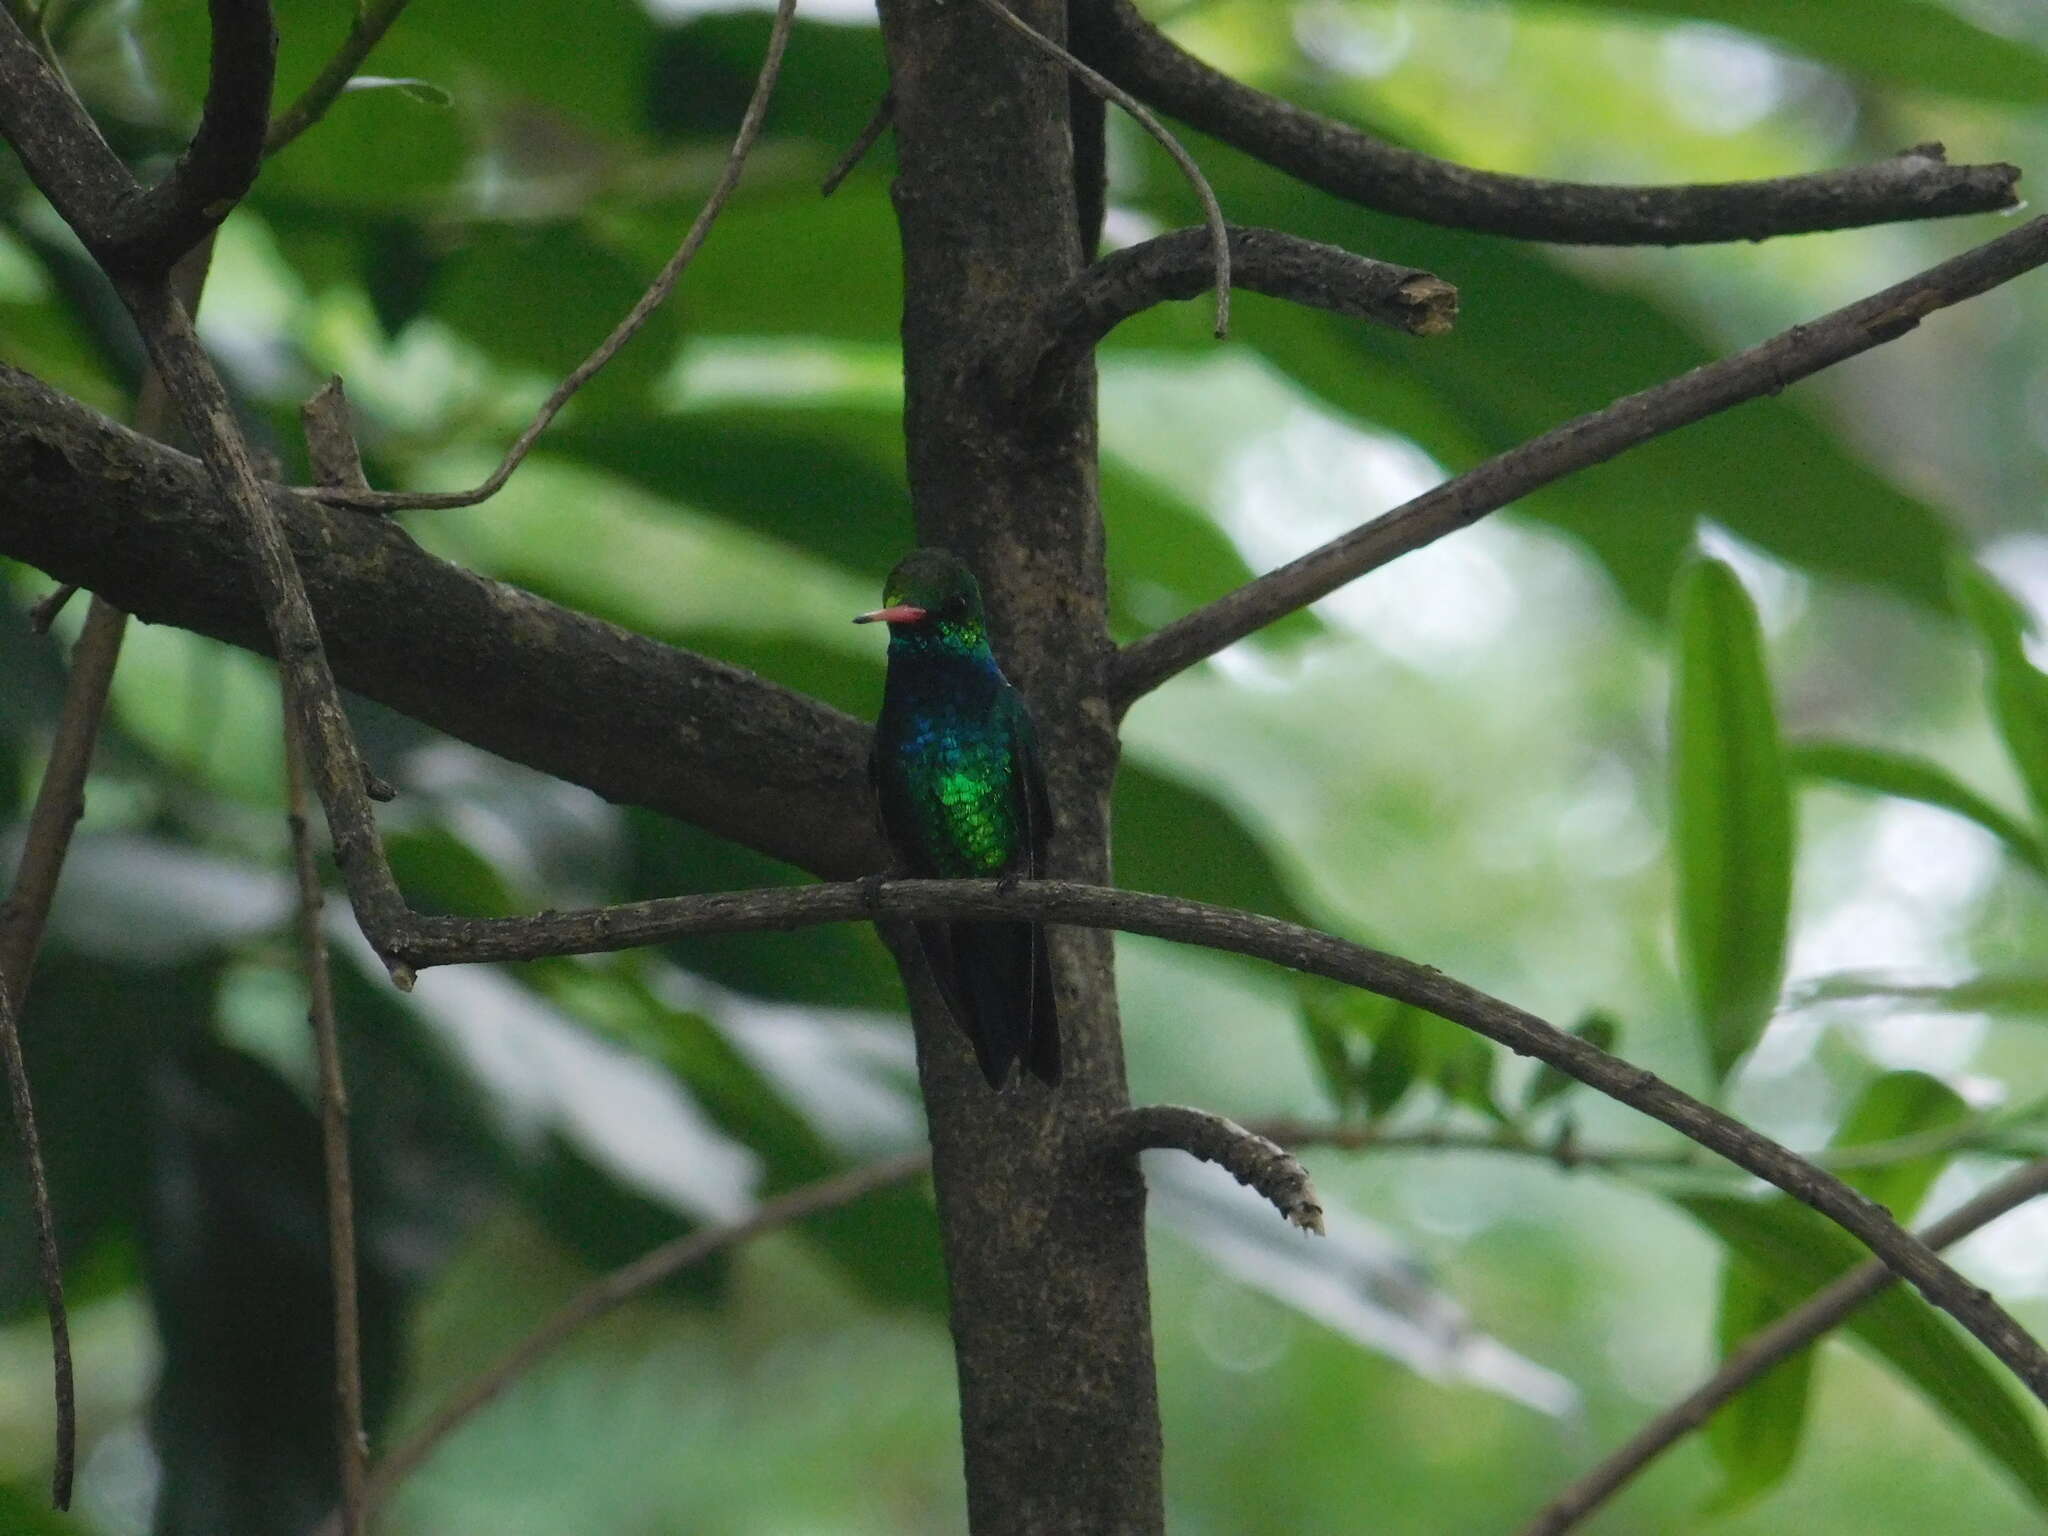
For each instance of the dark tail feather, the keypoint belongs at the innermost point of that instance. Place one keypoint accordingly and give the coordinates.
(1042, 1055)
(996, 980)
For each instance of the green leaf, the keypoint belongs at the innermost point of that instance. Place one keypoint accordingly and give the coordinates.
(1792, 1253)
(1914, 778)
(1731, 815)
(1920, 44)
(1598, 1029)
(1895, 1105)
(1373, 1050)
(2019, 994)
(239, 1286)
(2018, 689)
(1755, 1437)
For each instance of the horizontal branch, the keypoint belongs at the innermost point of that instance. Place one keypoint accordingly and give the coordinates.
(1180, 265)
(1262, 1166)
(429, 941)
(1352, 164)
(1590, 439)
(1820, 1314)
(49, 1264)
(130, 229)
(91, 502)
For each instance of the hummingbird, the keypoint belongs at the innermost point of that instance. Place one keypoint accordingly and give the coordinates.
(962, 796)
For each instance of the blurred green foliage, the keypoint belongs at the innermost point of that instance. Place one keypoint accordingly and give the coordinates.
(1466, 758)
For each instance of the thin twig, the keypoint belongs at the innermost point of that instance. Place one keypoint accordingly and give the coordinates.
(46, 608)
(334, 460)
(444, 940)
(1260, 1165)
(1349, 163)
(1128, 282)
(1109, 90)
(60, 800)
(657, 292)
(1821, 1313)
(368, 29)
(48, 1261)
(619, 1287)
(1590, 439)
(877, 125)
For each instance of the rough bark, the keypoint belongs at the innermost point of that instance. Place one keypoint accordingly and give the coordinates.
(1045, 1246)
(641, 723)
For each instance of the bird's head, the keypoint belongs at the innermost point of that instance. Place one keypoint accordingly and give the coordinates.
(930, 591)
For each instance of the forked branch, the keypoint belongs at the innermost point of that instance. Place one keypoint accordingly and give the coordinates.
(1354, 165)
(1600, 435)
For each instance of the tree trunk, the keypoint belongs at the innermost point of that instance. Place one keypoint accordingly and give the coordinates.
(1045, 1248)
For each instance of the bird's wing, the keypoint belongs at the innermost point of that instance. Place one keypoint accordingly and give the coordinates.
(1036, 803)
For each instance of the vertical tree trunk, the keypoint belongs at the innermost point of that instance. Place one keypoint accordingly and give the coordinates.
(1045, 1251)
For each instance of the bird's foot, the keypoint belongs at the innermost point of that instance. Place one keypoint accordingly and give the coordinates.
(871, 890)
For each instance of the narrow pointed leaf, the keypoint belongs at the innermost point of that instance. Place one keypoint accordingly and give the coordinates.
(1914, 778)
(1731, 815)
(1794, 1253)
(1755, 1438)
(2018, 689)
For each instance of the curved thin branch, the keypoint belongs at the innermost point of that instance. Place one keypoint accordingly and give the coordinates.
(134, 231)
(1175, 266)
(60, 799)
(364, 33)
(311, 697)
(448, 940)
(1590, 439)
(657, 293)
(612, 1292)
(1824, 1311)
(1260, 1165)
(1351, 164)
(1108, 90)
(857, 151)
(48, 1261)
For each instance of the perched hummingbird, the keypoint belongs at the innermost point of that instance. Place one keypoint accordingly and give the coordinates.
(962, 796)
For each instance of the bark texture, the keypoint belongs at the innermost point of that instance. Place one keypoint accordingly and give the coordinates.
(1045, 1245)
(641, 723)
